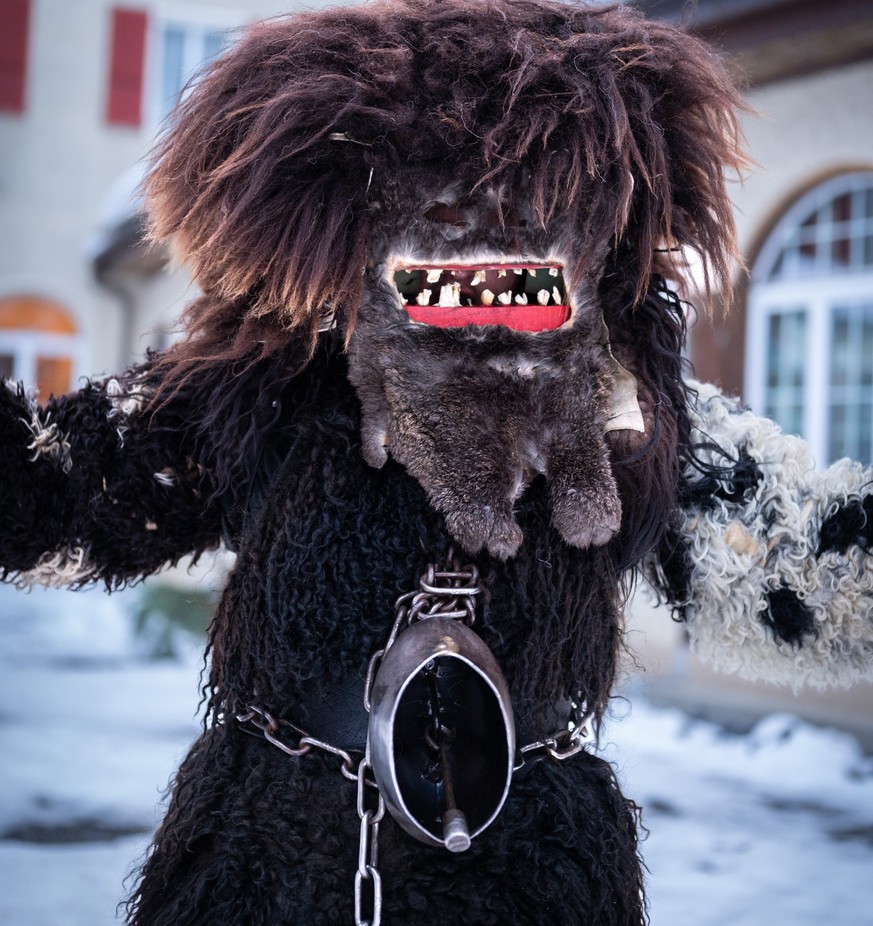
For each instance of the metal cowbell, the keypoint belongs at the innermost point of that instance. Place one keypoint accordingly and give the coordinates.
(441, 733)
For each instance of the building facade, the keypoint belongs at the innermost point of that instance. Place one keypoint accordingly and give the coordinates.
(798, 342)
(84, 85)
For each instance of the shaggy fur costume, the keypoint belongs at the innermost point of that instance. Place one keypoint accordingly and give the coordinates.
(339, 447)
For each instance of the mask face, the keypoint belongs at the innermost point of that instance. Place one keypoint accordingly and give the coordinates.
(481, 363)
(338, 169)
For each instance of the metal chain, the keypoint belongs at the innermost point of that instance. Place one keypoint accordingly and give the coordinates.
(561, 745)
(446, 593)
(275, 731)
(368, 847)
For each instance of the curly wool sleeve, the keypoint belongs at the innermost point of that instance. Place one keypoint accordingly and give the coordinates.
(769, 560)
(94, 489)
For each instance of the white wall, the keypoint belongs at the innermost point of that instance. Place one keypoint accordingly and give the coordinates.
(59, 162)
(805, 129)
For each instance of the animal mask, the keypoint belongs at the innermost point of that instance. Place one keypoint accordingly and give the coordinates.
(339, 168)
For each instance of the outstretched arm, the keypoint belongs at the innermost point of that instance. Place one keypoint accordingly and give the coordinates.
(95, 488)
(768, 562)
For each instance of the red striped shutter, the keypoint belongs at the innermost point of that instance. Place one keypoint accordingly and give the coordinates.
(126, 67)
(14, 21)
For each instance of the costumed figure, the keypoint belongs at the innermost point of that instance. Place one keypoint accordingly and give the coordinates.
(432, 397)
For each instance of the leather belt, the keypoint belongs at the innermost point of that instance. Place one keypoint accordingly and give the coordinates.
(334, 713)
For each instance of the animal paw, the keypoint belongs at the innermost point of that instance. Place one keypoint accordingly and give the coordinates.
(586, 520)
(374, 443)
(477, 526)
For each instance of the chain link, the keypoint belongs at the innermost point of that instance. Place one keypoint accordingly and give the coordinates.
(561, 745)
(449, 593)
(368, 847)
(281, 734)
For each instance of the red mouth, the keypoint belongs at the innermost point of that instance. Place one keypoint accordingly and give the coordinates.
(524, 297)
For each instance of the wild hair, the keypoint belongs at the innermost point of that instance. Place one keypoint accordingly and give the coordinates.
(272, 178)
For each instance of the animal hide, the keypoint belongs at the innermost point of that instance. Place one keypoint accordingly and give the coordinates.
(474, 413)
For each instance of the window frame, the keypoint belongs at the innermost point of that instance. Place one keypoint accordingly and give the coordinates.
(27, 345)
(193, 20)
(818, 294)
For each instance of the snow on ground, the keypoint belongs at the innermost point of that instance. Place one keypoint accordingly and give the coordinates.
(774, 828)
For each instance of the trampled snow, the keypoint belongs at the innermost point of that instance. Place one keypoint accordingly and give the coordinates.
(774, 828)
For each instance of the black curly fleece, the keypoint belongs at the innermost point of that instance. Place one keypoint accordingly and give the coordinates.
(325, 545)
(324, 550)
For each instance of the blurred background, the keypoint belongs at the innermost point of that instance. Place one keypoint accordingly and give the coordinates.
(84, 85)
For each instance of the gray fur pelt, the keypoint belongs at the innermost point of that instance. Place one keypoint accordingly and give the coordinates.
(475, 413)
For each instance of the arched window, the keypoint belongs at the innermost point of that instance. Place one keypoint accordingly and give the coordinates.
(809, 358)
(37, 344)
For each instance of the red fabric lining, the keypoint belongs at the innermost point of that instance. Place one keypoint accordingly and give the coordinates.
(518, 317)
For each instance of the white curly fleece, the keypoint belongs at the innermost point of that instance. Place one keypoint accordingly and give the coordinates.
(741, 551)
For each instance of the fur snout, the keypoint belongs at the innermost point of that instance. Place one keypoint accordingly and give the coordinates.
(476, 412)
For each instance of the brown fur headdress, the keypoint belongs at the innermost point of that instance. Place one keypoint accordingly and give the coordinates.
(273, 178)
(324, 144)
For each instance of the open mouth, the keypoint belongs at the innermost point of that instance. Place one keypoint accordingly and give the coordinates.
(525, 297)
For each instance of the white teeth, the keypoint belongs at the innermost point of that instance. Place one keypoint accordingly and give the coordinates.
(504, 298)
(433, 276)
(521, 299)
(450, 295)
(543, 297)
(403, 300)
(532, 273)
(556, 295)
(487, 297)
(501, 273)
(553, 271)
(423, 298)
(478, 277)
(517, 271)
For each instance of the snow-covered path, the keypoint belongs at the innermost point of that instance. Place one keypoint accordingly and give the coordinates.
(770, 829)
